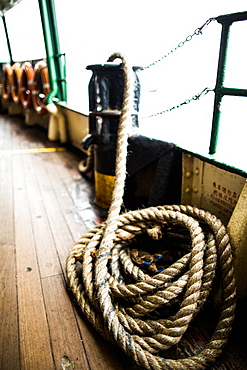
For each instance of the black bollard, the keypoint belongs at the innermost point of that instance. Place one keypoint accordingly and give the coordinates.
(106, 89)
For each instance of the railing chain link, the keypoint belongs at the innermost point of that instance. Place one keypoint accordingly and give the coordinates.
(197, 32)
(187, 101)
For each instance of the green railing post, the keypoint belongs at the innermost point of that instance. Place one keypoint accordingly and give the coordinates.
(55, 66)
(220, 90)
(218, 87)
(7, 39)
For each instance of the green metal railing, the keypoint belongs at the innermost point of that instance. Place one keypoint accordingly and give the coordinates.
(226, 21)
(55, 59)
(7, 39)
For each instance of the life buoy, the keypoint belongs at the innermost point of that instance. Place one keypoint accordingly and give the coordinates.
(7, 74)
(41, 87)
(26, 83)
(16, 68)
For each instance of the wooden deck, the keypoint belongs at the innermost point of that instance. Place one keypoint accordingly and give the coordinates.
(45, 206)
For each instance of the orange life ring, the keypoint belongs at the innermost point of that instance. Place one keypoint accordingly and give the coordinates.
(26, 83)
(41, 87)
(16, 68)
(7, 74)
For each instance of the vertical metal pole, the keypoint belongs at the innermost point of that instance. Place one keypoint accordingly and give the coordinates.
(219, 86)
(56, 72)
(7, 39)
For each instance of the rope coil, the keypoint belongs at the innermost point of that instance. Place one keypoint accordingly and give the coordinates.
(143, 314)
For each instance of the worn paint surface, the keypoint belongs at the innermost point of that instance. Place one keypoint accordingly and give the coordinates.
(210, 187)
(224, 194)
(237, 229)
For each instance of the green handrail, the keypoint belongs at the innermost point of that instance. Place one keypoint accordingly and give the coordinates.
(55, 60)
(226, 21)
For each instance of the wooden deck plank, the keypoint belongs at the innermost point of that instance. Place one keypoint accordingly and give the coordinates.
(27, 136)
(79, 188)
(9, 328)
(60, 185)
(48, 260)
(6, 187)
(100, 351)
(5, 135)
(6, 201)
(65, 336)
(35, 347)
(61, 233)
(9, 332)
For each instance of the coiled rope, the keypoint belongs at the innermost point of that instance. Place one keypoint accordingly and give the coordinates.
(146, 314)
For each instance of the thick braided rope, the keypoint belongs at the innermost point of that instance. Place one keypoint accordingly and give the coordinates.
(108, 275)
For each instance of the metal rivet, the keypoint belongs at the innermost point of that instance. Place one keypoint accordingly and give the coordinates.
(188, 174)
(195, 190)
(187, 190)
(197, 171)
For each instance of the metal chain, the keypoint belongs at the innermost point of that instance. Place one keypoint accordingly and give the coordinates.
(187, 101)
(197, 32)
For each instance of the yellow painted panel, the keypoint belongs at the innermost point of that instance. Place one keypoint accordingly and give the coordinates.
(103, 189)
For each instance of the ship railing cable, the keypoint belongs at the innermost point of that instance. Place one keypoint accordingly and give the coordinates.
(198, 96)
(206, 90)
(197, 32)
(143, 313)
